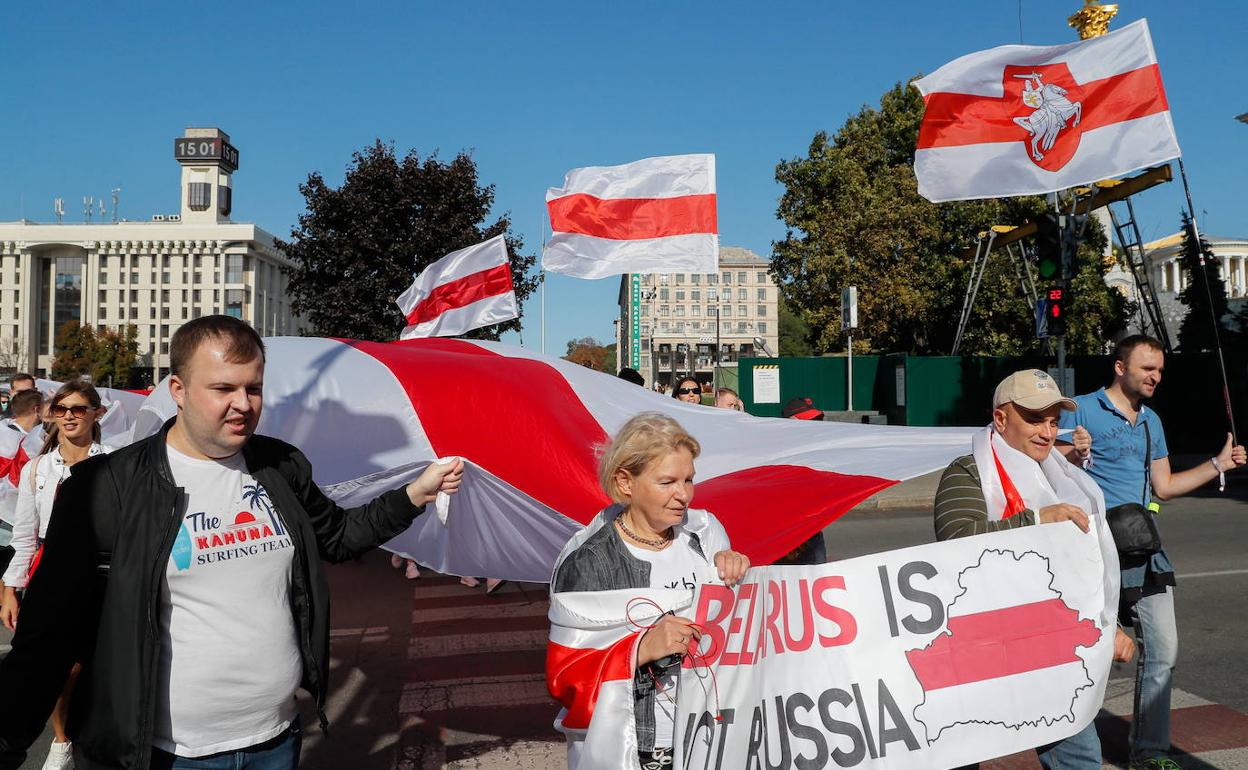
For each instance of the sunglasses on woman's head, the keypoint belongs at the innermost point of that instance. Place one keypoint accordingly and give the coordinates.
(688, 391)
(77, 412)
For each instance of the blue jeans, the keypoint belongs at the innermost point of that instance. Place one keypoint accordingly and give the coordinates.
(813, 551)
(1158, 638)
(280, 753)
(1081, 750)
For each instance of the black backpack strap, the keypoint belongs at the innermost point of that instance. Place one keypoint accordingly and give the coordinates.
(1148, 459)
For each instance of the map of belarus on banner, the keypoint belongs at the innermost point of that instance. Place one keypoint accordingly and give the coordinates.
(935, 656)
(655, 215)
(1026, 120)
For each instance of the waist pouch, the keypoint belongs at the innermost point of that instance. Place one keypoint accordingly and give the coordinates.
(1135, 532)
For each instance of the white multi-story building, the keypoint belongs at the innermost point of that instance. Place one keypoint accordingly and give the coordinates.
(1230, 254)
(1169, 278)
(671, 323)
(153, 274)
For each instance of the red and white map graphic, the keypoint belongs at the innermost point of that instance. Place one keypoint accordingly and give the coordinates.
(1010, 650)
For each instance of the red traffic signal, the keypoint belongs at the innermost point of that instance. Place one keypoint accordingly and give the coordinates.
(1055, 311)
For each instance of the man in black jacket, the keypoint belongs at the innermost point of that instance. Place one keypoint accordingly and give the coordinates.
(184, 573)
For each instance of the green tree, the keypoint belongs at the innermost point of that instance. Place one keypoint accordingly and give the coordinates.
(74, 350)
(588, 352)
(1196, 332)
(357, 246)
(854, 217)
(116, 351)
(794, 333)
(106, 355)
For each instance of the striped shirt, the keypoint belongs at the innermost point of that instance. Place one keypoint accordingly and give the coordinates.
(961, 509)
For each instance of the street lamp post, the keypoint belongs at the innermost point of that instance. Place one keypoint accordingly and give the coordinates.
(718, 350)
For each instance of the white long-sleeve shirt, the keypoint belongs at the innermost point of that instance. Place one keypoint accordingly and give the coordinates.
(36, 491)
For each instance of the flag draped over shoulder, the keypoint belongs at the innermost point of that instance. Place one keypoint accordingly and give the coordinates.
(371, 416)
(1011, 481)
(1026, 120)
(13, 457)
(464, 290)
(592, 653)
(656, 215)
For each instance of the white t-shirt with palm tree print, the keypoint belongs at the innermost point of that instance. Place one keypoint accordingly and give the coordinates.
(229, 659)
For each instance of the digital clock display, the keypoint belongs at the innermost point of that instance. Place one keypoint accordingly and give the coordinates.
(205, 148)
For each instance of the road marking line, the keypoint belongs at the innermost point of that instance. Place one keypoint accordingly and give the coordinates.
(1219, 573)
(491, 613)
(1120, 698)
(511, 690)
(442, 592)
(461, 644)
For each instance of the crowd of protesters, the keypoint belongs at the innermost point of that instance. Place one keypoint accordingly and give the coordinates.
(122, 692)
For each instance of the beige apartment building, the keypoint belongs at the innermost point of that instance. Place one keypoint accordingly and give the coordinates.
(672, 324)
(155, 274)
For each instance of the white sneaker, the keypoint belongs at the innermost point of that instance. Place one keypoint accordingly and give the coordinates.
(60, 756)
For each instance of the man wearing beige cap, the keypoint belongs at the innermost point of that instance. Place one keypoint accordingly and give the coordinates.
(1015, 478)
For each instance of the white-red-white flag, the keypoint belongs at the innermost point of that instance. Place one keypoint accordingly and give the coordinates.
(13, 457)
(464, 290)
(531, 440)
(655, 215)
(1026, 120)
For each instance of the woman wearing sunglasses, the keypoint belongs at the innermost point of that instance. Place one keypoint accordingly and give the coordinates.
(73, 435)
(688, 390)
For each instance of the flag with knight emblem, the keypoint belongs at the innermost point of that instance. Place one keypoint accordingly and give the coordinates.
(1028, 120)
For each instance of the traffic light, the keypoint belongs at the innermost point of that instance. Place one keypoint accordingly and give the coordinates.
(1057, 244)
(1055, 311)
(1048, 247)
(1072, 233)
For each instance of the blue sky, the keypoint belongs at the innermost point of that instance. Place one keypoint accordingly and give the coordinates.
(94, 94)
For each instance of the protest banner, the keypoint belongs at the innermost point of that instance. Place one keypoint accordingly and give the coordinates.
(928, 657)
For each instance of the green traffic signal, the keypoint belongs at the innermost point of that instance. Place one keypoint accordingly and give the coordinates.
(1048, 246)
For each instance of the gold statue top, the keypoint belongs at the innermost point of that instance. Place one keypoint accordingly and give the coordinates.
(1092, 20)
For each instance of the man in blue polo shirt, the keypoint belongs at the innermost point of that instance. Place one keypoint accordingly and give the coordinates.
(1129, 456)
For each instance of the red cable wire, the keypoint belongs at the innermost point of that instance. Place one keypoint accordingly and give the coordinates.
(698, 658)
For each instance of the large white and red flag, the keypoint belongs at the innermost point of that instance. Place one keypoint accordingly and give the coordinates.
(464, 290)
(655, 215)
(1026, 120)
(371, 416)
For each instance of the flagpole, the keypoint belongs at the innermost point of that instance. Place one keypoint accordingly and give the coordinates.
(1204, 278)
(541, 227)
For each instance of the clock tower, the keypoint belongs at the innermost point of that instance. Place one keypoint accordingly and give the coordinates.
(208, 161)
